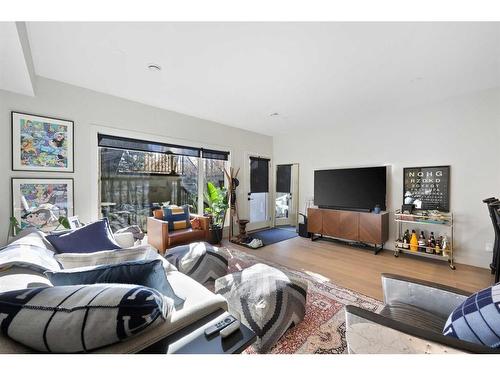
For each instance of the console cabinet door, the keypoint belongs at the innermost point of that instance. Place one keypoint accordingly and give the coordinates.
(331, 223)
(314, 220)
(374, 228)
(348, 223)
(369, 228)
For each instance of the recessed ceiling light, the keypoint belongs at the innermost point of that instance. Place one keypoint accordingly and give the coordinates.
(274, 114)
(154, 67)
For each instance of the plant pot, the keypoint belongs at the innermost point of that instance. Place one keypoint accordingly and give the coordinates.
(215, 236)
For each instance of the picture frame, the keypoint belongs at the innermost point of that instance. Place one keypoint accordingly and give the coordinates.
(427, 188)
(74, 222)
(39, 202)
(41, 143)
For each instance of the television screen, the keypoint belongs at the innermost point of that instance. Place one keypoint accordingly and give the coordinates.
(350, 188)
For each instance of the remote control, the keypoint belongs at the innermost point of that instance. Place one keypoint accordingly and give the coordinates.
(233, 327)
(220, 325)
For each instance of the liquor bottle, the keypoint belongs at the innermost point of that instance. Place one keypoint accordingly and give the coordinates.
(431, 244)
(413, 241)
(438, 248)
(421, 242)
(406, 240)
(445, 246)
(433, 239)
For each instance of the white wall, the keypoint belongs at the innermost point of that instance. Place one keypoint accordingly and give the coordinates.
(91, 111)
(463, 132)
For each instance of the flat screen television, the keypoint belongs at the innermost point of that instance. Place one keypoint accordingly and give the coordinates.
(357, 189)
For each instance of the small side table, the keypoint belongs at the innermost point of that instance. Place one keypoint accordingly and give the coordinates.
(243, 230)
(192, 339)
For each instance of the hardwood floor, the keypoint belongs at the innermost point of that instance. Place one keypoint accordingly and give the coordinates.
(359, 270)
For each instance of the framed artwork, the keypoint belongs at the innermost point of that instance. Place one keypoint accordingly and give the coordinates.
(39, 202)
(41, 144)
(74, 222)
(427, 188)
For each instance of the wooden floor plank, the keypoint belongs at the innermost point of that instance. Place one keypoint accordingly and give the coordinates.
(360, 270)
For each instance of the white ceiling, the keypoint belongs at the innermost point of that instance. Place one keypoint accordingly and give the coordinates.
(14, 72)
(312, 74)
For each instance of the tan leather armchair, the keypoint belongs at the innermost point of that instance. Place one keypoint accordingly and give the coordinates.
(161, 238)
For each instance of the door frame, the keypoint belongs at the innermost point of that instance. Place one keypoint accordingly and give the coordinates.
(270, 195)
(294, 190)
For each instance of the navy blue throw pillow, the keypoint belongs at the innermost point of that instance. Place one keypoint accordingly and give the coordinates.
(149, 273)
(80, 318)
(93, 237)
(477, 319)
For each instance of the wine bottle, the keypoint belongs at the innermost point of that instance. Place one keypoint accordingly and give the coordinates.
(421, 242)
(406, 240)
(438, 248)
(431, 244)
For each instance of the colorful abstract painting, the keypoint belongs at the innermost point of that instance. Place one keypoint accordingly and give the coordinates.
(40, 202)
(41, 143)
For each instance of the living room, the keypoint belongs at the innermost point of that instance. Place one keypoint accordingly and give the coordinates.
(250, 187)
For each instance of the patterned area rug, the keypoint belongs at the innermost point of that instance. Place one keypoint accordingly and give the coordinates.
(323, 329)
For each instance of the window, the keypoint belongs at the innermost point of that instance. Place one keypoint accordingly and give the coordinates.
(214, 172)
(135, 181)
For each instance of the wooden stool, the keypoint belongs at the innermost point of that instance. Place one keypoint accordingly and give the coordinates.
(243, 230)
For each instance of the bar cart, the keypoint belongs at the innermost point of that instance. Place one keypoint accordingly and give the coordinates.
(442, 220)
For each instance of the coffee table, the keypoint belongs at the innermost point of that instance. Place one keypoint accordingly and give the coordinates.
(192, 339)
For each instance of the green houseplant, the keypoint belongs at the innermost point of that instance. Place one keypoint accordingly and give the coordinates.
(216, 200)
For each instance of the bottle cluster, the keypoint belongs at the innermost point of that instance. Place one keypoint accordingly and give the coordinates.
(430, 245)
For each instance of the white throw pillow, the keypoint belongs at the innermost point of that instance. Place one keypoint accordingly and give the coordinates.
(29, 256)
(144, 252)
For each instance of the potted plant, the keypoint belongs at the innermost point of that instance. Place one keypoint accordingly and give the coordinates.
(217, 201)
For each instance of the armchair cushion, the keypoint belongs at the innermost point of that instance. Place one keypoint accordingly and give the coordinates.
(477, 319)
(177, 217)
(417, 340)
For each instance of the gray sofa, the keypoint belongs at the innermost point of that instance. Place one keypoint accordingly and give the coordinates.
(19, 271)
(412, 320)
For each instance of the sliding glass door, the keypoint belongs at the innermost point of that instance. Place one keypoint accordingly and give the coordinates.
(137, 177)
